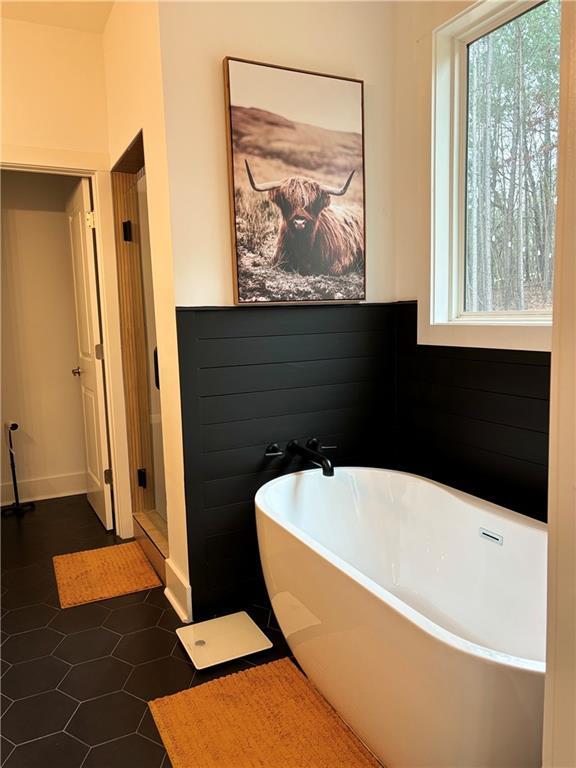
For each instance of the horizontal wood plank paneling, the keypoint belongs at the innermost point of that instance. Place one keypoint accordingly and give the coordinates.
(493, 407)
(238, 434)
(250, 377)
(477, 375)
(265, 349)
(281, 402)
(288, 375)
(232, 322)
(475, 419)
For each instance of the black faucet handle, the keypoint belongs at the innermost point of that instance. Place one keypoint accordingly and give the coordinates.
(315, 445)
(273, 450)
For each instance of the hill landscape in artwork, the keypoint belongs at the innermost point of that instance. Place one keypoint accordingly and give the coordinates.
(277, 148)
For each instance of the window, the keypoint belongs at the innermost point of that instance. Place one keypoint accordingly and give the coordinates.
(494, 186)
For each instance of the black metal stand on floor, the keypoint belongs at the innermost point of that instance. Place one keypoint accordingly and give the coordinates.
(17, 508)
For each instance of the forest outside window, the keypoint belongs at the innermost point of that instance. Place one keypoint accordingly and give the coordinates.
(495, 162)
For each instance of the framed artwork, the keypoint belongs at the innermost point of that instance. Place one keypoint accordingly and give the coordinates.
(296, 156)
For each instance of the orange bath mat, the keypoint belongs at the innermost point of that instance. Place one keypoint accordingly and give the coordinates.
(98, 574)
(267, 716)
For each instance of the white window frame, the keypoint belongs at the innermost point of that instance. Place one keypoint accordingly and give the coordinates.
(449, 122)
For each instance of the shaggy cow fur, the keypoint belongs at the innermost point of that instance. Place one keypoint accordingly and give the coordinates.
(316, 238)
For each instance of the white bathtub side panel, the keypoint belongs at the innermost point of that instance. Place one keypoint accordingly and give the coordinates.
(415, 701)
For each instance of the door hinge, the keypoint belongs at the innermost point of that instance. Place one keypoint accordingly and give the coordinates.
(108, 476)
(99, 351)
(90, 219)
(141, 478)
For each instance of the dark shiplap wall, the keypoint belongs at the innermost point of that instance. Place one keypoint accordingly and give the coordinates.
(352, 375)
(475, 419)
(253, 376)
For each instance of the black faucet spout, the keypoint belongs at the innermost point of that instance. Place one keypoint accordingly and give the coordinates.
(315, 457)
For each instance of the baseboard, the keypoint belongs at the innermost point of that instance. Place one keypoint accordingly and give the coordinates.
(45, 487)
(178, 592)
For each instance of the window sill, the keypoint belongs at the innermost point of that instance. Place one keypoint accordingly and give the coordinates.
(512, 333)
(500, 321)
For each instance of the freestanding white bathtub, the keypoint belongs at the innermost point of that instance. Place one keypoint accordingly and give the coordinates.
(419, 612)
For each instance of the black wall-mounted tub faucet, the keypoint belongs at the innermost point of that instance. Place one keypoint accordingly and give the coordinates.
(273, 451)
(313, 456)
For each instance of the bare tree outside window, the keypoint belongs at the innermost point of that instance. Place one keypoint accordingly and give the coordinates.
(513, 97)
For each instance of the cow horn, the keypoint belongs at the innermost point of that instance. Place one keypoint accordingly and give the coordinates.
(339, 190)
(267, 187)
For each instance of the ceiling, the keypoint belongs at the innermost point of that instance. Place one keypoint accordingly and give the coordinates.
(86, 16)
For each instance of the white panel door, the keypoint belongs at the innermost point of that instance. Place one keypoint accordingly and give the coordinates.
(89, 371)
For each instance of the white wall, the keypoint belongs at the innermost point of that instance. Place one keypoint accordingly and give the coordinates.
(134, 94)
(53, 99)
(349, 39)
(415, 22)
(411, 179)
(39, 347)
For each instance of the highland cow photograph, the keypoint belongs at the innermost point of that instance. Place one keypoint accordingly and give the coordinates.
(296, 154)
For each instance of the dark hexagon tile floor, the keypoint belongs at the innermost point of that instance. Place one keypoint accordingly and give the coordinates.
(58, 749)
(133, 617)
(37, 716)
(145, 645)
(30, 645)
(129, 750)
(30, 617)
(95, 678)
(107, 717)
(86, 645)
(31, 677)
(76, 682)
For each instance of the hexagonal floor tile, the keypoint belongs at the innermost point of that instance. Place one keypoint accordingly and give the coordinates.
(31, 576)
(5, 748)
(87, 645)
(37, 716)
(130, 750)
(25, 619)
(123, 600)
(106, 718)
(148, 728)
(58, 750)
(30, 645)
(5, 703)
(133, 617)
(146, 645)
(159, 678)
(26, 594)
(157, 597)
(170, 620)
(96, 678)
(32, 677)
(80, 617)
(219, 670)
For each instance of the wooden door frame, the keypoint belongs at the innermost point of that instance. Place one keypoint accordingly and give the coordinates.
(101, 190)
(135, 352)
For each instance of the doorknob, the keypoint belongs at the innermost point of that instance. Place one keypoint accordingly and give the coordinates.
(76, 371)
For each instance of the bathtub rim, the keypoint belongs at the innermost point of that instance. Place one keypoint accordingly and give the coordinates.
(422, 622)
